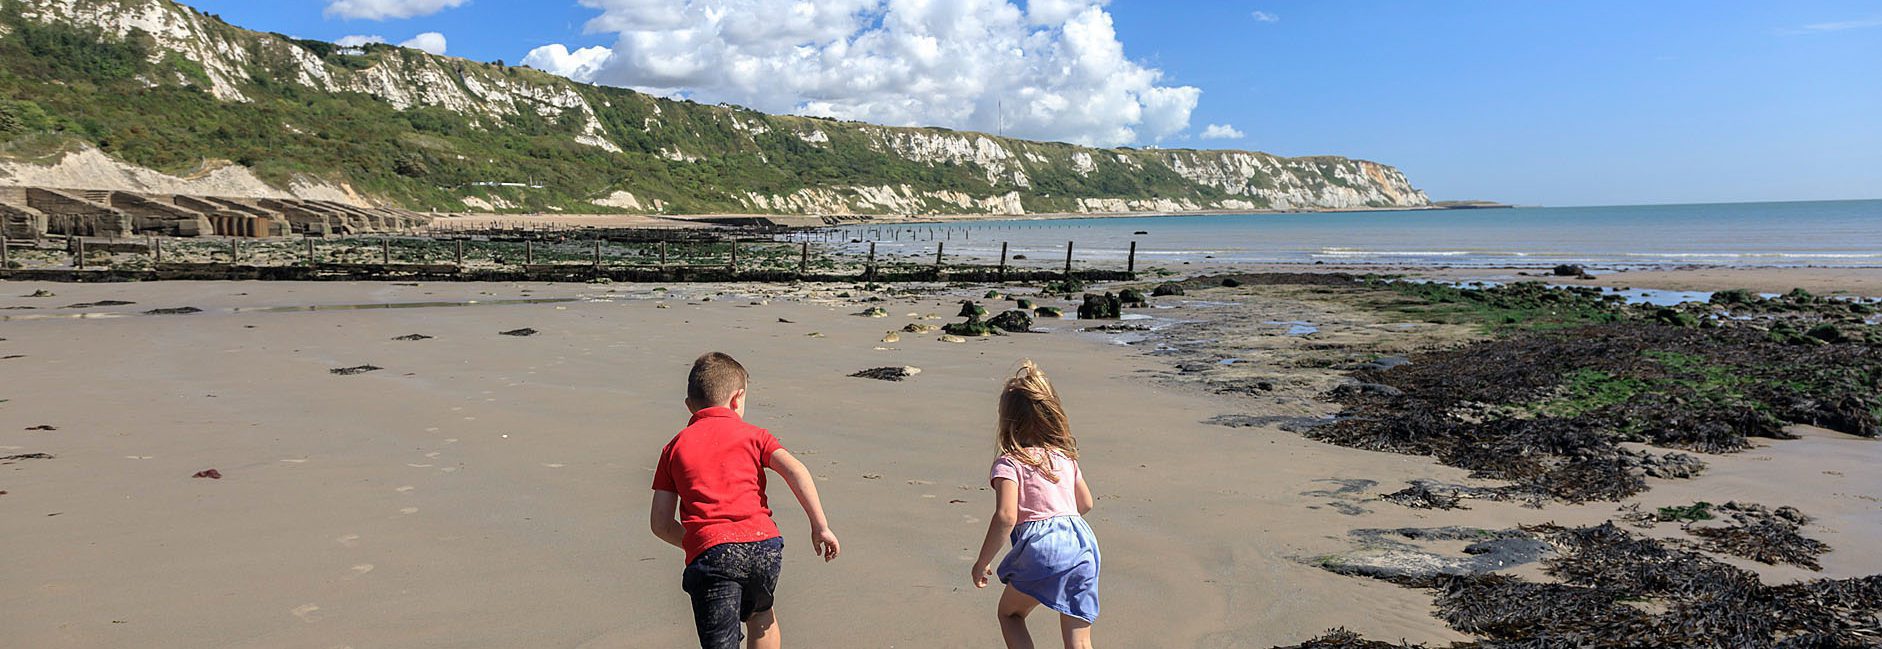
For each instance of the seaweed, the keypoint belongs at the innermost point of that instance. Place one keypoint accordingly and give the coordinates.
(1548, 410)
(1764, 535)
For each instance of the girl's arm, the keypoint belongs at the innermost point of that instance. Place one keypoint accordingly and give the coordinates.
(1005, 516)
(1085, 501)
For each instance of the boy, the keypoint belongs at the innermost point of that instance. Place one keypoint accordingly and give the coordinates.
(713, 472)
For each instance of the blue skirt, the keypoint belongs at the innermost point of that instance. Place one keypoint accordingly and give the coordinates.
(1056, 562)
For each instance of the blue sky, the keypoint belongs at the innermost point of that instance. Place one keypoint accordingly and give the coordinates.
(1558, 103)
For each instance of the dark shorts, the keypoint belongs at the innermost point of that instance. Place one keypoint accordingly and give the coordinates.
(729, 583)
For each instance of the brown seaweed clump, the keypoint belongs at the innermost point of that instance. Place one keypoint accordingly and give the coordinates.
(1763, 535)
(1615, 589)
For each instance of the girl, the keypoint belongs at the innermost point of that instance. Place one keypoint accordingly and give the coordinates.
(1039, 500)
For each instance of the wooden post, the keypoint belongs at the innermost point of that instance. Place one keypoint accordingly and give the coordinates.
(1002, 273)
(1068, 259)
(529, 252)
(597, 254)
(81, 252)
(734, 265)
(1130, 263)
(460, 252)
(311, 260)
(869, 268)
(663, 253)
(5, 261)
(385, 250)
(803, 260)
(938, 247)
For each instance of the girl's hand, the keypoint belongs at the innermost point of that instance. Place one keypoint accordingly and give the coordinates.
(979, 574)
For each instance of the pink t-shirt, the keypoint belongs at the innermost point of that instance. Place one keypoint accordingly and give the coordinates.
(1039, 498)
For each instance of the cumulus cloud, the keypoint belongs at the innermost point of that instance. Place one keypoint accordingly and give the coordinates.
(388, 9)
(1053, 70)
(1266, 17)
(1222, 132)
(432, 42)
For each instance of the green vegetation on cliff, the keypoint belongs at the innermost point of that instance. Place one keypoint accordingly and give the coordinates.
(425, 131)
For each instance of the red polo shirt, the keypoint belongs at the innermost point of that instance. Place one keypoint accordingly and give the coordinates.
(717, 466)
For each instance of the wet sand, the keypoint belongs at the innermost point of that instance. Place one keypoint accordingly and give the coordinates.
(489, 490)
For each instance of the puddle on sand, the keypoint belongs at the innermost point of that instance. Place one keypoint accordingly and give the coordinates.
(1295, 327)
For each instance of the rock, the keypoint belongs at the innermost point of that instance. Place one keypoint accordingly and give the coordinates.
(1141, 232)
(874, 312)
(1827, 332)
(1019, 257)
(1367, 389)
(991, 295)
(211, 474)
(893, 337)
(26, 456)
(89, 305)
(919, 328)
(1024, 303)
(357, 369)
(526, 331)
(182, 310)
(1166, 289)
(1100, 307)
(887, 373)
(1048, 312)
(969, 309)
(413, 337)
(1570, 270)
(1119, 328)
(1015, 321)
(41, 293)
(1132, 298)
(1675, 317)
(952, 339)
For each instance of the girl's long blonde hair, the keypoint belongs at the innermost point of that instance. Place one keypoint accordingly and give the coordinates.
(1031, 417)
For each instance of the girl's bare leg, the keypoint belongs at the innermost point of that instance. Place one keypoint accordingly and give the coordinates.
(761, 631)
(1077, 632)
(1014, 606)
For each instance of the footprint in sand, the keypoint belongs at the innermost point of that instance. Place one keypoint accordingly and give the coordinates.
(555, 466)
(295, 461)
(349, 540)
(408, 510)
(433, 454)
(450, 440)
(361, 569)
(306, 612)
(432, 429)
(419, 466)
(404, 489)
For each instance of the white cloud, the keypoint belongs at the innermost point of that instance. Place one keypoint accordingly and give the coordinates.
(579, 64)
(388, 9)
(1839, 26)
(357, 40)
(1054, 70)
(1222, 132)
(1266, 17)
(432, 42)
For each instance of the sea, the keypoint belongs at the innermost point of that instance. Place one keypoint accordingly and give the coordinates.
(1789, 234)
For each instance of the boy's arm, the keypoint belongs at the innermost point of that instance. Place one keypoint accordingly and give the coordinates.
(1005, 516)
(661, 517)
(822, 540)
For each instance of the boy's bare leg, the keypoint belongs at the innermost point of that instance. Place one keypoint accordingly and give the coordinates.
(1013, 608)
(761, 631)
(1077, 632)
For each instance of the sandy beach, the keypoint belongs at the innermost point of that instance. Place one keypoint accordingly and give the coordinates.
(491, 490)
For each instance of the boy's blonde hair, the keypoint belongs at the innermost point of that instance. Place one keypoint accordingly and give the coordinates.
(714, 378)
(1031, 417)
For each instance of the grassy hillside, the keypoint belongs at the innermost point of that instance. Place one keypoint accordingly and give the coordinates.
(146, 101)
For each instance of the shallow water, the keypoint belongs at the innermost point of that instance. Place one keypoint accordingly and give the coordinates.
(1818, 233)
